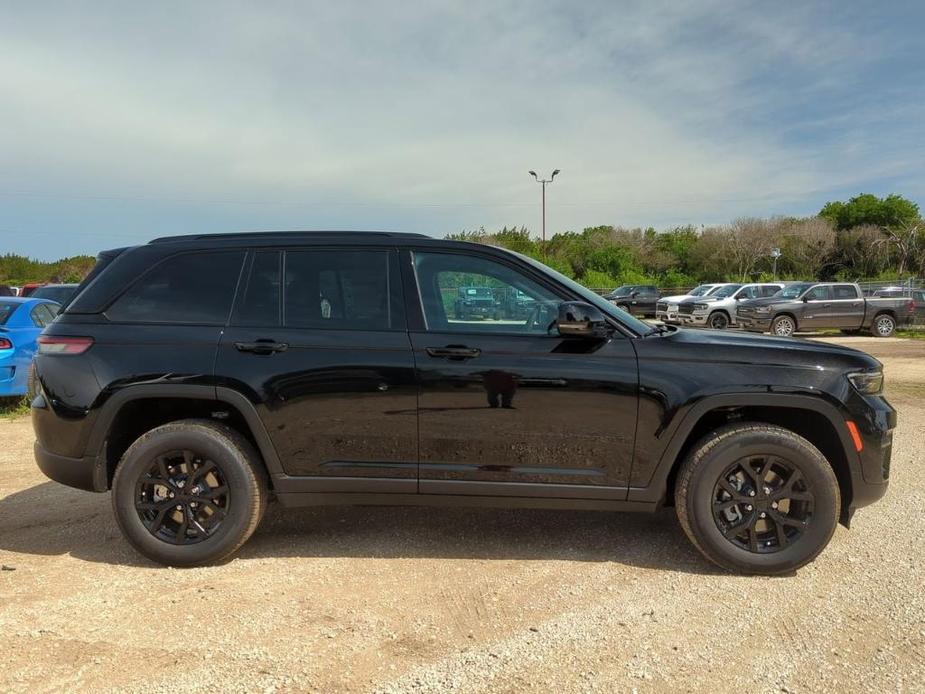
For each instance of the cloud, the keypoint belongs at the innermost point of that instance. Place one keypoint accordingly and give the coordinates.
(427, 117)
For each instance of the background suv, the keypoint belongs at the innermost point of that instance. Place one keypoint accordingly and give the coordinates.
(638, 299)
(201, 377)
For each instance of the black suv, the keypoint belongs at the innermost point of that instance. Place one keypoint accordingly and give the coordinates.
(200, 377)
(639, 299)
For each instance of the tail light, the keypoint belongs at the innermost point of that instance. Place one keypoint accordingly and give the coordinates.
(5, 343)
(53, 344)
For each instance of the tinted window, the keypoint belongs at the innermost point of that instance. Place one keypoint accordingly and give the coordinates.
(769, 290)
(845, 291)
(337, 289)
(648, 289)
(506, 300)
(42, 315)
(189, 288)
(818, 294)
(748, 293)
(259, 302)
(6, 310)
(919, 296)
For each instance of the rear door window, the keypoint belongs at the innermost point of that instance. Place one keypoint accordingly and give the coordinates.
(195, 288)
(260, 294)
(845, 291)
(342, 289)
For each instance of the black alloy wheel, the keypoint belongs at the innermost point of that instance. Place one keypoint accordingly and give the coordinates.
(762, 504)
(183, 497)
(719, 321)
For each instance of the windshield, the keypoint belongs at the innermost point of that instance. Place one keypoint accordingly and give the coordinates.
(600, 302)
(6, 310)
(728, 290)
(793, 291)
(701, 290)
(625, 289)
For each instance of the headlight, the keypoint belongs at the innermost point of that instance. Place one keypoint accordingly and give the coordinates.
(867, 382)
(700, 307)
(763, 309)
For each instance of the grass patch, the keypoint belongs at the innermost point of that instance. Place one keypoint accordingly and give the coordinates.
(913, 333)
(14, 407)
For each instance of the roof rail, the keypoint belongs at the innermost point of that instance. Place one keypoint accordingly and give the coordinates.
(284, 235)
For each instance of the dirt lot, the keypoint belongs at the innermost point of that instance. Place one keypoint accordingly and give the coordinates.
(378, 599)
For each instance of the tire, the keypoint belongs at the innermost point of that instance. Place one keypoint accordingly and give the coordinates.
(699, 497)
(884, 325)
(228, 521)
(783, 326)
(624, 307)
(718, 320)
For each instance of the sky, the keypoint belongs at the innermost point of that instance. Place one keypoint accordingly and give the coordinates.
(124, 121)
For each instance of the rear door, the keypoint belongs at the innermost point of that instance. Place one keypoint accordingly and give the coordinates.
(848, 307)
(507, 406)
(317, 342)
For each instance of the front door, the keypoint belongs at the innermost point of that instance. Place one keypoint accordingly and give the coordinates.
(507, 406)
(818, 309)
(325, 358)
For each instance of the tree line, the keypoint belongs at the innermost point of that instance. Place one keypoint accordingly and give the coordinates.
(865, 237)
(18, 270)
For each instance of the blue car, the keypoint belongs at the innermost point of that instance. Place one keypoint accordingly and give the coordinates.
(21, 321)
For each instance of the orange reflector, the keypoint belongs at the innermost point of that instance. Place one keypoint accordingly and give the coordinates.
(855, 436)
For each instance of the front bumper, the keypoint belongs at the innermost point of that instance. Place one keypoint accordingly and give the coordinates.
(668, 317)
(692, 318)
(83, 473)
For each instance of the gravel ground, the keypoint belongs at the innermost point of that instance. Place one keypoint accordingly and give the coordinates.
(409, 599)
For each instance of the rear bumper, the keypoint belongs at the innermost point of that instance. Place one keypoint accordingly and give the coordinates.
(83, 473)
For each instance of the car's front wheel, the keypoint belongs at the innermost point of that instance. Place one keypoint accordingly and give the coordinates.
(719, 320)
(189, 492)
(757, 498)
(783, 326)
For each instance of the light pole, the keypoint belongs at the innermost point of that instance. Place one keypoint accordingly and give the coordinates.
(775, 253)
(543, 182)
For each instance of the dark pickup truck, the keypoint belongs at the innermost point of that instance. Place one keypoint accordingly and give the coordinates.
(806, 306)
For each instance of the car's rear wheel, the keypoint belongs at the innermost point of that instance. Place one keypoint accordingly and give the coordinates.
(884, 325)
(757, 498)
(783, 326)
(189, 493)
(719, 320)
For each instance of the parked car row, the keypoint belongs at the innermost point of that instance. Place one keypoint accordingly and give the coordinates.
(784, 308)
(55, 292)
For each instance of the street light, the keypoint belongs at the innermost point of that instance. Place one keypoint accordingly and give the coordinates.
(775, 253)
(544, 181)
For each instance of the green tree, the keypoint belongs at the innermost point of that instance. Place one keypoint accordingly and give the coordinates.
(867, 209)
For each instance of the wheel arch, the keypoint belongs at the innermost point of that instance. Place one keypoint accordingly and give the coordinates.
(130, 412)
(812, 417)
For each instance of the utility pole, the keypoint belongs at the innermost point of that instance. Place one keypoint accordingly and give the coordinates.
(775, 253)
(543, 182)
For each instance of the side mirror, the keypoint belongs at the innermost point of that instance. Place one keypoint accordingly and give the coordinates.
(805, 299)
(578, 319)
(633, 295)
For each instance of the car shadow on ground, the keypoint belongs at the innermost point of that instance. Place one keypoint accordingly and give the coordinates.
(49, 519)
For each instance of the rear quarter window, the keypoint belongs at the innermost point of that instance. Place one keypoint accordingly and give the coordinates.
(188, 288)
